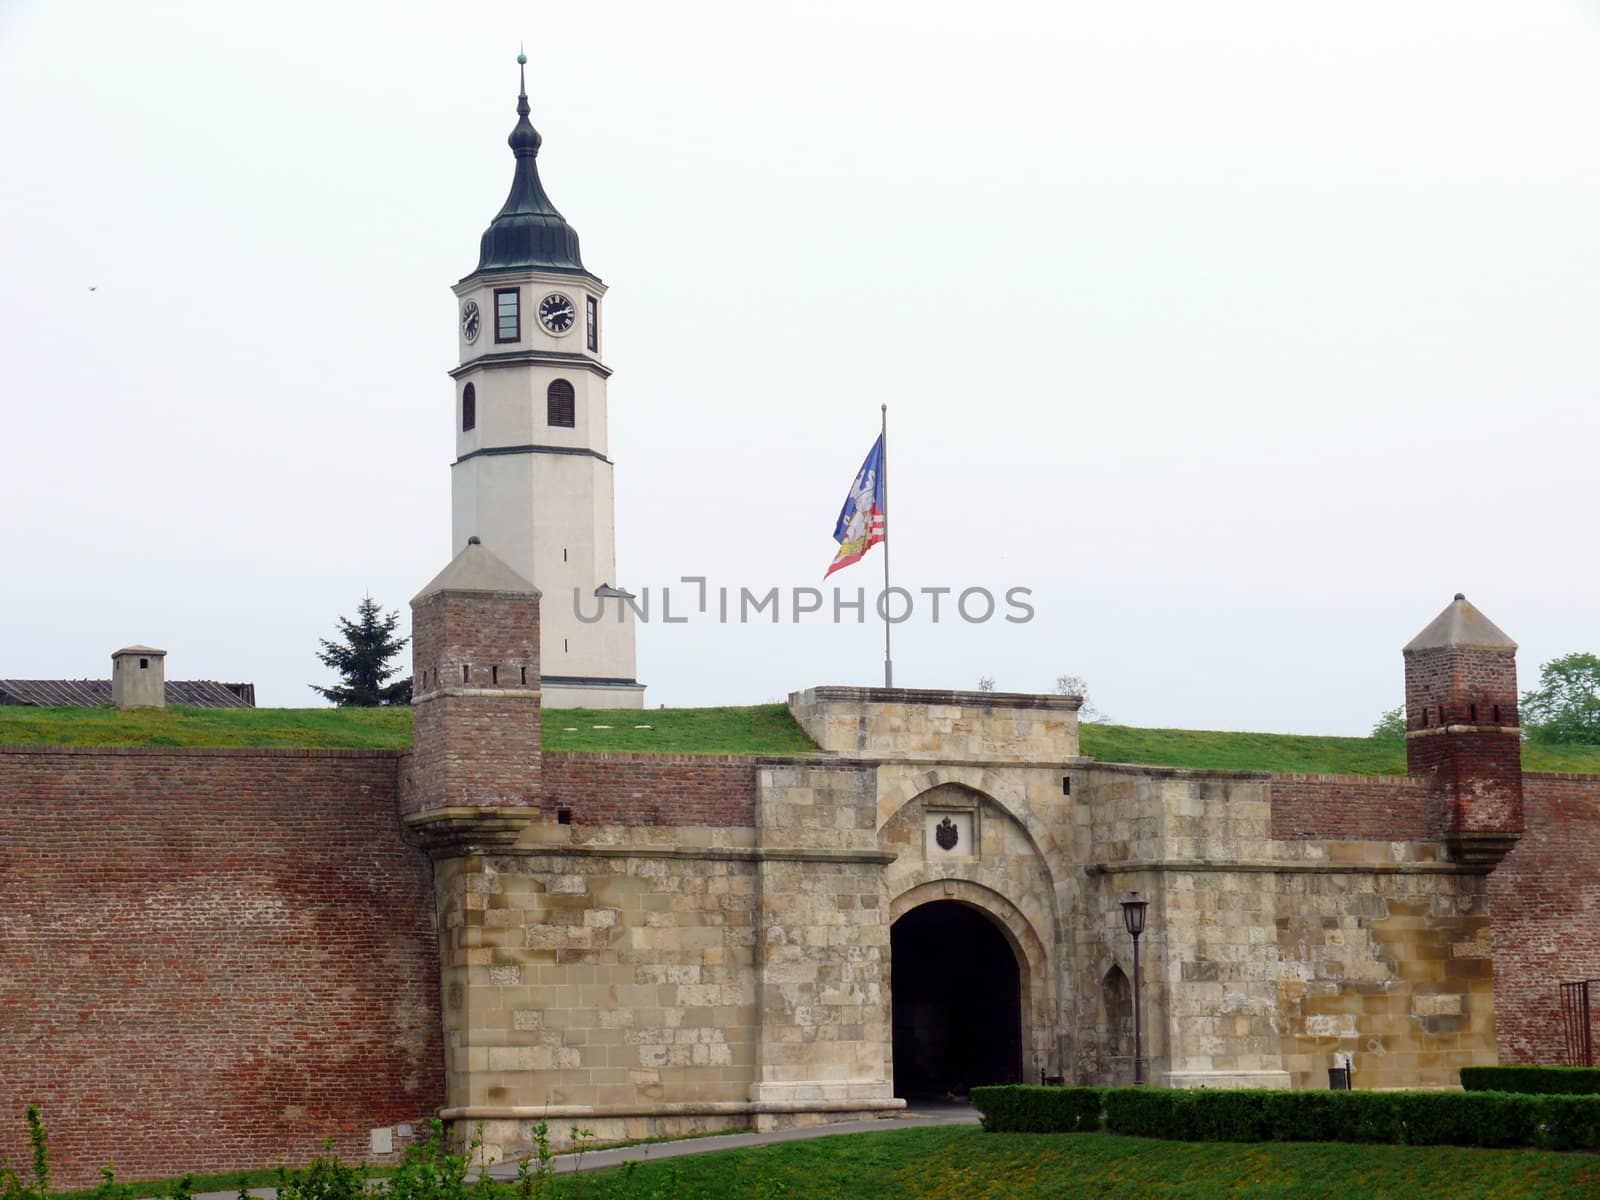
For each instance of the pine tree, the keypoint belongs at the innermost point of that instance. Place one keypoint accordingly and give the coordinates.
(363, 659)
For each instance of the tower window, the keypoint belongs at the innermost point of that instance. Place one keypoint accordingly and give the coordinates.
(594, 324)
(507, 315)
(562, 405)
(469, 408)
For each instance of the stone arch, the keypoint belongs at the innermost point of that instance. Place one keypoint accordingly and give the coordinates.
(1026, 879)
(1013, 924)
(1036, 978)
(1001, 788)
(1116, 1022)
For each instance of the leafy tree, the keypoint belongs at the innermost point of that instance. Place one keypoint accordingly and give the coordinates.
(362, 657)
(1391, 724)
(1565, 707)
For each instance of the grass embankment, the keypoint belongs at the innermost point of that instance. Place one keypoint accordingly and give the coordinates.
(295, 728)
(964, 1163)
(755, 729)
(1292, 753)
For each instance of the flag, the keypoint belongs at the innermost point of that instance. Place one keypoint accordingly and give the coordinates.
(864, 519)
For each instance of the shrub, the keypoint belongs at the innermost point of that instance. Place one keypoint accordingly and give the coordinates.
(325, 1178)
(1494, 1119)
(1569, 1081)
(1026, 1109)
(12, 1185)
(431, 1170)
(1568, 1122)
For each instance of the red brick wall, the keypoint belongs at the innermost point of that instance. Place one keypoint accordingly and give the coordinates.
(210, 958)
(640, 789)
(1544, 901)
(475, 719)
(1356, 808)
(1473, 694)
(1460, 686)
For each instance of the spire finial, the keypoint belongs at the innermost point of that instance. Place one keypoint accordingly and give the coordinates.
(522, 91)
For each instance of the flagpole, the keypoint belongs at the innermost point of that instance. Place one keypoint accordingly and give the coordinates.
(888, 661)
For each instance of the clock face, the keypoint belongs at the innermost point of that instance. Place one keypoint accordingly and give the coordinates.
(470, 321)
(557, 314)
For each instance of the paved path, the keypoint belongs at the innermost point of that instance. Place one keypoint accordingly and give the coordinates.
(917, 1117)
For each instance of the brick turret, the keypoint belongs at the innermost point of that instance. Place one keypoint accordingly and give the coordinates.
(1462, 729)
(475, 672)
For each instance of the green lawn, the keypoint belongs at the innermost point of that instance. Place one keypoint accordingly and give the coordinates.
(1292, 753)
(756, 729)
(300, 728)
(964, 1163)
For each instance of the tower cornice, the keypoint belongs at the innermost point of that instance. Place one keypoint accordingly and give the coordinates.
(522, 358)
(554, 274)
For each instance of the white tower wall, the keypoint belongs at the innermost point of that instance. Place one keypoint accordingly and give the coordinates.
(540, 496)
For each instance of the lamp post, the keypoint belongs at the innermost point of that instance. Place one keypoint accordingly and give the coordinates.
(1133, 918)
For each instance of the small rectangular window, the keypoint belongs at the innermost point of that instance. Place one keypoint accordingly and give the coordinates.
(507, 315)
(594, 324)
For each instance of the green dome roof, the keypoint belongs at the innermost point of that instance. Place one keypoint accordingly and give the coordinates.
(528, 232)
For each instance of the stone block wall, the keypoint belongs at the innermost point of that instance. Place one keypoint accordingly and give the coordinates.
(823, 929)
(211, 958)
(598, 986)
(1385, 958)
(947, 726)
(1267, 956)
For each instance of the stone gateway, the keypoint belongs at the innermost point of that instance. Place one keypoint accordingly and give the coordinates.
(932, 901)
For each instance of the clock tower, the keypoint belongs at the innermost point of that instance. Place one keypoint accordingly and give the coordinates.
(532, 476)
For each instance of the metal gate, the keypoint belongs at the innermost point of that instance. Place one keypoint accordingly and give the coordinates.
(1577, 1022)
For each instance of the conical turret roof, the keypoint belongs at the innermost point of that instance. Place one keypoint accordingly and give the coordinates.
(1460, 626)
(528, 232)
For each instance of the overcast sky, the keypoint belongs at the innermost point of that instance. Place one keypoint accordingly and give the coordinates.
(1244, 334)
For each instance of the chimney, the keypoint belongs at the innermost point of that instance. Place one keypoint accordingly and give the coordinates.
(139, 677)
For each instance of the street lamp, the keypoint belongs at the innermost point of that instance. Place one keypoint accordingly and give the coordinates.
(1133, 918)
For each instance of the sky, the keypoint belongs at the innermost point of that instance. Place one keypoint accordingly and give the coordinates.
(1243, 335)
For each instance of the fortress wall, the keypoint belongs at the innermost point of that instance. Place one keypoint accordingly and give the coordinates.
(651, 789)
(1357, 808)
(1545, 901)
(599, 986)
(210, 958)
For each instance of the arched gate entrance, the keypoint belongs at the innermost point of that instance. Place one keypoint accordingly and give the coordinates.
(957, 1002)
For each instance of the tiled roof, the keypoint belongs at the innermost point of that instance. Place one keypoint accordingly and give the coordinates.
(95, 693)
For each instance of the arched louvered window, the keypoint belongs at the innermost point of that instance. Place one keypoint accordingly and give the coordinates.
(469, 408)
(562, 404)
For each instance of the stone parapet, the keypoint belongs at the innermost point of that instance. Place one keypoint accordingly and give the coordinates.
(911, 723)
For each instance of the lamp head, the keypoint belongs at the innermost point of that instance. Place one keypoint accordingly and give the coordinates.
(1133, 913)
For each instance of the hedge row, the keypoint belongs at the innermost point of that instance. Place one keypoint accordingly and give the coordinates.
(1546, 1081)
(1023, 1109)
(1412, 1118)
